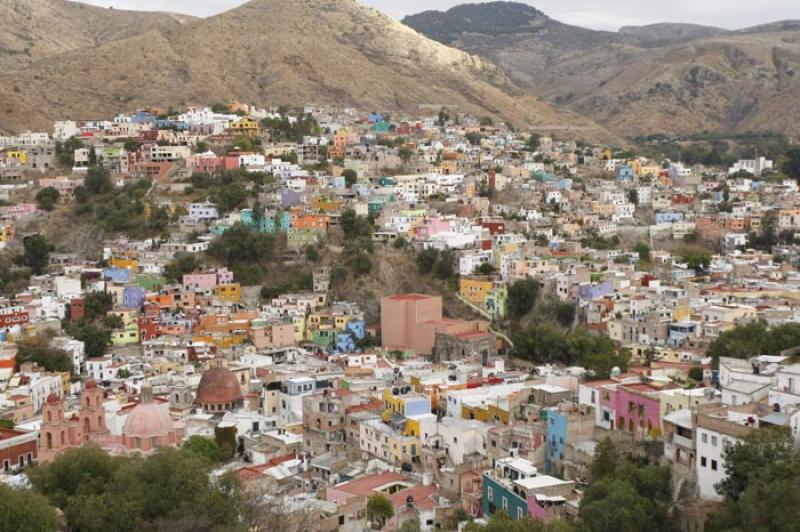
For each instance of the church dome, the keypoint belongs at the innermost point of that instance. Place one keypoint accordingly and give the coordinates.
(148, 420)
(218, 387)
(52, 398)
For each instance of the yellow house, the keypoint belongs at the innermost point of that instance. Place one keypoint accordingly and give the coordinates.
(231, 293)
(128, 316)
(20, 156)
(299, 323)
(475, 289)
(223, 341)
(325, 205)
(245, 126)
(682, 313)
(486, 413)
(448, 167)
(124, 262)
(650, 170)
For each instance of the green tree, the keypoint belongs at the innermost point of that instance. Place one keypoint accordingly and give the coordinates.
(355, 226)
(606, 459)
(36, 253)
(26, 511)
(38, 351)
(644, 251)
(696, 258)
(379, 510)
(562, 312)
(522, 296)
(791, 165)
(245, 250)
(181, 264)
(47, 198)
(486, 268)
(97, 305)
(97, 180)
(755, 338)
(762, 471)
(204, 447)
(360, 263)
(96, 339)
(225, 438)
(350, 177)
(229, 197)
(405, 154)
(426, 260)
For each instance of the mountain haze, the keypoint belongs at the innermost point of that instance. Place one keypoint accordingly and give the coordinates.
(270, 51)
(663, 78)
(35, 29)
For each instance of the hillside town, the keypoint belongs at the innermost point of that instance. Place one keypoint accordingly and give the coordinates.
(217, 278)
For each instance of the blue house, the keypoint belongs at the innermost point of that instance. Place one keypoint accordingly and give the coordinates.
(669, 217)
(589, 291)
(503, 487)
(117, 275)
(564, 184)
(141, 117)
(375, 117)
(516, 487)
(339, 182)
(556, 437)
(290, 198)
(344, 343)
(133, 297)
(357, 328)
(625, 173)
(361, 189)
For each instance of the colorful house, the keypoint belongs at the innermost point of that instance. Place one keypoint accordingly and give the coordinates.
(515, 487)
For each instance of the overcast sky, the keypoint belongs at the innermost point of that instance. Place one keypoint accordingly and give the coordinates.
(598, 14)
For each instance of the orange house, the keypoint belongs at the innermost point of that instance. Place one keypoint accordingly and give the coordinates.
(318, 222)
(163, 300)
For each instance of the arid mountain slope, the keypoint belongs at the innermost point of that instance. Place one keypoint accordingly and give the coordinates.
(663, 78)
(36, 29)
(272, 51)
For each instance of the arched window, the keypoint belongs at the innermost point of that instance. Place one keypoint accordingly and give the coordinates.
(49, 417)
(49, 439)
(99, 422)
(63, 438)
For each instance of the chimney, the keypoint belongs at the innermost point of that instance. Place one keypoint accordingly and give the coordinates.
(147, 393)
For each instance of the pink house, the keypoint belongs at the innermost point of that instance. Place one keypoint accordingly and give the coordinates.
(15, 212)
(431, 227)
(273, 335)
(637, 409)
(201, 282)
(204, 162)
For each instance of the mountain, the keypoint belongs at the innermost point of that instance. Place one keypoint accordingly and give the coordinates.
(665, 34)
(271, 51)
(34, 29)
(663, 78)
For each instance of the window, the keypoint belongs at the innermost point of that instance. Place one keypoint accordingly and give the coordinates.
(490, 493)
(714, 441)
(714, 465)
(702, 461)
(705, 438)
(505, 503)
(520, 513)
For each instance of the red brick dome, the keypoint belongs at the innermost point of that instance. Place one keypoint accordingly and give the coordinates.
(52, 398)
(218, 390)
(90, 384)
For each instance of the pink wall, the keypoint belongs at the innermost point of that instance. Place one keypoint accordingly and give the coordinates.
(199, 281)
(636, 411)
(534, 510)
